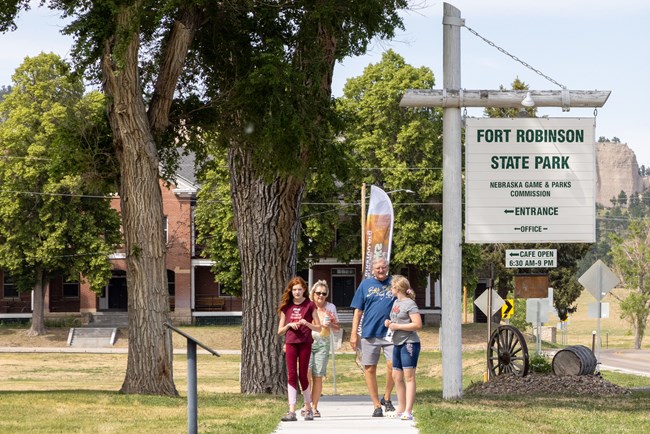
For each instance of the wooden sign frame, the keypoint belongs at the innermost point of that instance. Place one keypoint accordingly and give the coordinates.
(531, 286)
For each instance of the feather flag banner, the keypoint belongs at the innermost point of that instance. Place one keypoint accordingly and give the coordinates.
(378, 233)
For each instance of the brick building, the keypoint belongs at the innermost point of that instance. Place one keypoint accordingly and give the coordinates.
(194, 295)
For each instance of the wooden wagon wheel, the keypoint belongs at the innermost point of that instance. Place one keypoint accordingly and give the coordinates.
(508, 352)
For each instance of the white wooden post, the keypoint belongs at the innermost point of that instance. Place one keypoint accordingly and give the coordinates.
(452, 98)
(451, 339)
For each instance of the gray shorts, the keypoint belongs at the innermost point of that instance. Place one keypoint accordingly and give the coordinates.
(372, 347)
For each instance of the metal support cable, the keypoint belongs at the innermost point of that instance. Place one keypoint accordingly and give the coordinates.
(515, 58)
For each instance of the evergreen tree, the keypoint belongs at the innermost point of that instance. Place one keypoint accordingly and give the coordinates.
(636, 209)
(4, 90)
(645, 199)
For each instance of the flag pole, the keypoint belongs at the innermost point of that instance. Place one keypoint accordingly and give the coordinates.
(363, 228)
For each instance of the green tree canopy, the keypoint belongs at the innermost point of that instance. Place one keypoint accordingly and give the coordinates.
(274, 115)
(631, 257)
(215, 223)
(259, 74)
(397, 150)
(56, 171)
(116, 44)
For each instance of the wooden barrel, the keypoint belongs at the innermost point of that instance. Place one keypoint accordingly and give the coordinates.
(574, 360)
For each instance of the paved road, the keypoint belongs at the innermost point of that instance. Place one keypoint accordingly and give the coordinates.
(348, 414)
(628, 361)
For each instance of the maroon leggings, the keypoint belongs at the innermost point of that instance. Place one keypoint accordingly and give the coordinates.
(298, 354)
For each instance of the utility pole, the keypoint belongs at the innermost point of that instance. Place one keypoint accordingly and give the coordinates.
(452, 98)
(452, 219)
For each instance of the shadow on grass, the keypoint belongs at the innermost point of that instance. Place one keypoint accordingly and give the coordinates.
(103, 411)
(215, 399)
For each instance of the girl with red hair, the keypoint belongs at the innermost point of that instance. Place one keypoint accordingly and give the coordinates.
(297, 321)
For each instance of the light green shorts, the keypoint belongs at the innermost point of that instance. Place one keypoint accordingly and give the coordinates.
(320, 352)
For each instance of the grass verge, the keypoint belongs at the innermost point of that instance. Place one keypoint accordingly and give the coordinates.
(533, 414)
(91, 411)
(77, 393)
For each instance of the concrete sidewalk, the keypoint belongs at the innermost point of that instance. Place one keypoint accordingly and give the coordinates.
(348, 414)
(99, 350)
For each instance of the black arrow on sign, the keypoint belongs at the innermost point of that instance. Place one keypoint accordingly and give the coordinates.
(509, 307)
(508, 211)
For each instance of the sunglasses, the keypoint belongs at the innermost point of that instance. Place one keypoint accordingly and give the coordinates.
(324, 294)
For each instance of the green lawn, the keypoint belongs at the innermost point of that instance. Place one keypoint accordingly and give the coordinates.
(77, 393)
(533, 414)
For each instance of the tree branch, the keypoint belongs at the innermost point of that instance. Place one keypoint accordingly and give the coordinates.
(174, 54)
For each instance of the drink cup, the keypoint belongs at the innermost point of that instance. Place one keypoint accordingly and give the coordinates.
(326, 321)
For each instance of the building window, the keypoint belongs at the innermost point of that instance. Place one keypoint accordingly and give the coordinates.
(171, 282)
(166, 229)
(9, 289)
(343, 286)
(70, 289)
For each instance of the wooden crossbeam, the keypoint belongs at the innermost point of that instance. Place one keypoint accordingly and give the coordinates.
(460, 98)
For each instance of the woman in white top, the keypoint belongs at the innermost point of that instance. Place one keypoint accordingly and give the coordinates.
(320, 349)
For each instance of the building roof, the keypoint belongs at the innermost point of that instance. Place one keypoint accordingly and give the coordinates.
(185, 182)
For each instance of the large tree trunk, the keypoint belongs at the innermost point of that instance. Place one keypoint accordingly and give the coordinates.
(38, 316)
(267, 219)
(149, 366)
(267, 216)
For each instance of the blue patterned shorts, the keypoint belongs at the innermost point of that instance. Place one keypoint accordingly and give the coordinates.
(406, 356)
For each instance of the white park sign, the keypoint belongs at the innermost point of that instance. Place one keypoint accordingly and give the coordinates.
(530, 180)
(531, 258)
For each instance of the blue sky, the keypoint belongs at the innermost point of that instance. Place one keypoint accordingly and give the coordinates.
(582, 44)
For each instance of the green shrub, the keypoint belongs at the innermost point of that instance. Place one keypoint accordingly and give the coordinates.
(63, 322)
(14, 323)
(540, 364)
(518, 320)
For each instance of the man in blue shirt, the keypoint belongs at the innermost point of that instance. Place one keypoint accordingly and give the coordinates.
(373, 300)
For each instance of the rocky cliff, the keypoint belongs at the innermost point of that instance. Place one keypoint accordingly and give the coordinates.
(616, 170)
